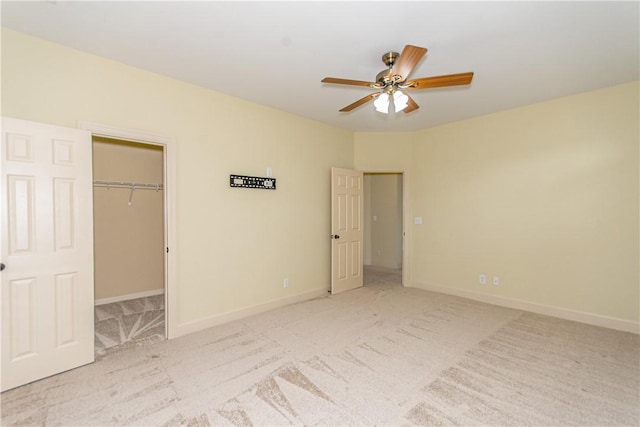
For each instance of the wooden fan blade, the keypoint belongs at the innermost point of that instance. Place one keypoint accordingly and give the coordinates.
(441, 81)
(407, 61)
(359, 102)
(338, 81)
(411, 105)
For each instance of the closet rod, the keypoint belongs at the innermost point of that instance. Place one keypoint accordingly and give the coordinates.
(120, 184)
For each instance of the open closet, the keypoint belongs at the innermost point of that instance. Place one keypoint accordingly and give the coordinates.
(128, 203)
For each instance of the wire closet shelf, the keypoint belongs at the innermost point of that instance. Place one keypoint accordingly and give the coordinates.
(133, 186)
(121, 184)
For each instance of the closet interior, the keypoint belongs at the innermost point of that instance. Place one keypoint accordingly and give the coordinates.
(129, 244)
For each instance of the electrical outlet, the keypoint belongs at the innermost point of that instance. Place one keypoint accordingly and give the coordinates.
(285, 283)
(496, 280)
(483, 279)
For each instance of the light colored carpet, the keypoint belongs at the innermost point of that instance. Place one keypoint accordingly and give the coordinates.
(123, 324)
(379, 355)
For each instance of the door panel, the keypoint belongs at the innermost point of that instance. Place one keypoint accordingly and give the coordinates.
(346, 229)
(66, 323)
(47, 247)
(21, 217)
(22, 315)
(63, 202)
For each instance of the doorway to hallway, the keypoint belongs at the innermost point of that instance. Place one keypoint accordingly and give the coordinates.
(384, 223)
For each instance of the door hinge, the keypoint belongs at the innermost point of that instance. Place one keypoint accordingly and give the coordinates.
(167, 250)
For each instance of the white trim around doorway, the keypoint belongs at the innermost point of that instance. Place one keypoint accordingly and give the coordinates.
(170, 216)
(406, 235)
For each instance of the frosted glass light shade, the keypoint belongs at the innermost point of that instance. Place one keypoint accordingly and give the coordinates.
(400, 101)
(382, 103)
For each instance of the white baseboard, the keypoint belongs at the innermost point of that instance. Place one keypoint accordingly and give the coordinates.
(129, 296)
(562, 313)
(208, 322)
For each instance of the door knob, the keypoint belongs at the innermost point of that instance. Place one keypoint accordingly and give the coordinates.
(2, 266)
(335, 236)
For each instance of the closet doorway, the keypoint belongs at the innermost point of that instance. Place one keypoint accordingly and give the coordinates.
(129, 243)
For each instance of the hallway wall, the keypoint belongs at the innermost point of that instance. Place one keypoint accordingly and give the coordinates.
(383, 219)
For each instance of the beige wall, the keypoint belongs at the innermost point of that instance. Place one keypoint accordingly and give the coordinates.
(128, 239)
(384, 151)
(383, 219)
(545, 197)
(235, 245)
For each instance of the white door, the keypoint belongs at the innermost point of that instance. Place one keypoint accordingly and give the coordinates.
(347, 232)
(46, 249)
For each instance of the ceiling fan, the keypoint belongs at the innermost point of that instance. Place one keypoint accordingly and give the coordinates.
(392, 81)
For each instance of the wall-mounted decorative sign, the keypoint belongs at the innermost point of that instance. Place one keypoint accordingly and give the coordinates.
(244, 181)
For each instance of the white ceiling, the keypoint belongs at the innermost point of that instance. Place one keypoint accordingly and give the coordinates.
(276, 53)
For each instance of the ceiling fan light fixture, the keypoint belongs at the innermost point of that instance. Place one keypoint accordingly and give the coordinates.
(382, 103)
(400, 101)
(394, 79)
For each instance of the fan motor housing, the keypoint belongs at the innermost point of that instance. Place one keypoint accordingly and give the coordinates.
(389, 59)
(383, 76)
